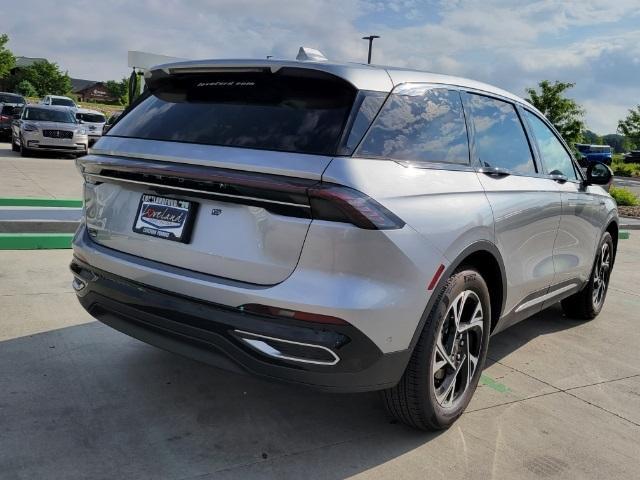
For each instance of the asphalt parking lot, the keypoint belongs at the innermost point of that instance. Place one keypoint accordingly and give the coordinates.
(559, 398)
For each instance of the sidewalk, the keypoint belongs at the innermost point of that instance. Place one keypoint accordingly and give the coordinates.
(37, 177)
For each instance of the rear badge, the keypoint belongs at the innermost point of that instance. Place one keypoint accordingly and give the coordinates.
(165, 218)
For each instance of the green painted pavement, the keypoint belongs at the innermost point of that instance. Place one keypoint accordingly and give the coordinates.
(40, 202)
(35, 241)
(491, 383)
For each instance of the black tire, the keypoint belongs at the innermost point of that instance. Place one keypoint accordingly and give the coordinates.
(24, 152)
(414, 400)
(14, 146)
(588, 302)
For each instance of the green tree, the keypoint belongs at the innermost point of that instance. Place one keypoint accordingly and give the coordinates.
(7, 60)
(564, 113)
(619, 143)
(25, 88)
(630, 126)
(46, 78)
(591, 138)
(119, 90)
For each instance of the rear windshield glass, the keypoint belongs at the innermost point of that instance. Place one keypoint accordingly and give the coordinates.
(9, 98)
(65, 102)
(9, 110)
(292, 110)
(91, 117)
(47, 115)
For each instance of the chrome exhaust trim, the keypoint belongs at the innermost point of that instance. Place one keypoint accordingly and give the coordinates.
(264, 345)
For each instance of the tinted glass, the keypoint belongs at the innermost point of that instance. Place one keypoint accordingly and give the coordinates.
(10, 98)
(47, 115)
(91, 117)
(291, 110)
(65, 102)
(554, 156)
(368, 104)
(419, 123)
(500, 138)
(9, 110)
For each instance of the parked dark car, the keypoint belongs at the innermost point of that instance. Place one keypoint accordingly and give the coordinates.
(12, 98)
(7, 113)
(10, 104)
(632, 157)
(590, 154)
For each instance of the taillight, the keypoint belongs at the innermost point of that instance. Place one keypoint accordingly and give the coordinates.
(343, 204)
(292, 314)
(4, 117)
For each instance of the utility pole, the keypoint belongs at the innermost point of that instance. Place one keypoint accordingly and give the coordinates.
(370, 38)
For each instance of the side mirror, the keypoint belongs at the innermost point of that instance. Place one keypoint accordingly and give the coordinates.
(599, 174)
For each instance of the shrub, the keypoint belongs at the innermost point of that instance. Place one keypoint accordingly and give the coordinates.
(623, 196)
(26, 89)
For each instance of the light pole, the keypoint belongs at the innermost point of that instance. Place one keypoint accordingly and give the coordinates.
(370, 38)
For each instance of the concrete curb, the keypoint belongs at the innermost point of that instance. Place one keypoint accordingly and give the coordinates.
(629, 223)
(29, 226)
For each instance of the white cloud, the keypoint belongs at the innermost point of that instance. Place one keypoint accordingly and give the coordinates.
(512, 44)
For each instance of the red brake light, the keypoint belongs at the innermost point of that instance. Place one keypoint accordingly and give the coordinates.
(293, 314)
(344, 204)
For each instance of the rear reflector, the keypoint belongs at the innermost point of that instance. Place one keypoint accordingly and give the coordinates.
(293, 314)
(343, 204)
(436, 277)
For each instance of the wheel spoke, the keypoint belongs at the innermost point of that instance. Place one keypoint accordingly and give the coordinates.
(449, 386)
(440, 350)
(468, 357)
(476, 322)
(456, 309)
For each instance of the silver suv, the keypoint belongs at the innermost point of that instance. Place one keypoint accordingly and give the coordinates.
(47, 128)
(346, 227)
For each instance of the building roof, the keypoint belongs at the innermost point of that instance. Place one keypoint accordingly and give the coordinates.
(79, 84)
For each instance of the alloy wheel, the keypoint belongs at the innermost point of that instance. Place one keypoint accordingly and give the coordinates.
(601, 275)
(458, 347)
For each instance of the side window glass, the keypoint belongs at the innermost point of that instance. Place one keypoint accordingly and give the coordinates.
(368, 105)
(419, 123)
(500, 138)
(554, 156)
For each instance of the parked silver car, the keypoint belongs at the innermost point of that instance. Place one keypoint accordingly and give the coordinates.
(58, 100)
(94, 122)
(50, 129)
(347, 227)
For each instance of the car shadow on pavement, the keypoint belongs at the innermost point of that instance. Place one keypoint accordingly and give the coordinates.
(89, 402)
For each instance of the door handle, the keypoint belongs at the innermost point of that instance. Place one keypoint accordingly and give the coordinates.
(558, 177)
(494, 171)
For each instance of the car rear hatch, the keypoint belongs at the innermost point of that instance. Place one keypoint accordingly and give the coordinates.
(211, 171)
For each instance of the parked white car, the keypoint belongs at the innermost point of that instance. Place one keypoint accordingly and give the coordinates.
(58, 100)
(94, 122)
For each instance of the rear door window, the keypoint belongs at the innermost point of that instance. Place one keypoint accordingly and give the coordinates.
(419, 123)
(292, 110)
(500, 140)
(554, 156)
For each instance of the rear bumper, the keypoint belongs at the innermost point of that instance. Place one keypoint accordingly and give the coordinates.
(209, 333)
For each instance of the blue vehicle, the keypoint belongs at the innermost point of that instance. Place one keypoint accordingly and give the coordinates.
(594, 153)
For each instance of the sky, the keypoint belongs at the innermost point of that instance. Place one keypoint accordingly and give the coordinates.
(508, 43)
